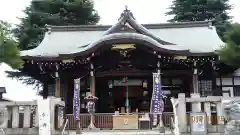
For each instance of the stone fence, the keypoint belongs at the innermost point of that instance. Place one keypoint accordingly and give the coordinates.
(21, 117)
(210, 105)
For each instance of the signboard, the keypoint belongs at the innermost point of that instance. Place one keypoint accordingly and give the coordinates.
(198, 123)
(44, 117)
(123, 46)
(76, 99)
(157, 104)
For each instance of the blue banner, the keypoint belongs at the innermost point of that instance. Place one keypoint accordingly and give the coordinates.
(76, 99)
(157, 104)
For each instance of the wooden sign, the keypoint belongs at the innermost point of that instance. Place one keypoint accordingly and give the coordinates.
(123, 46)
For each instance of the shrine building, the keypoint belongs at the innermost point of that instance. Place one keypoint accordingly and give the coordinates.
(104, 55)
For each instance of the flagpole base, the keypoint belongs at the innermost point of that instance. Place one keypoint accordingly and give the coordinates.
(162, 129)
(78, 130)
(161, 126)
(91, 126)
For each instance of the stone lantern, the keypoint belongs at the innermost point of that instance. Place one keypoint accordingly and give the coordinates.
(91, 109)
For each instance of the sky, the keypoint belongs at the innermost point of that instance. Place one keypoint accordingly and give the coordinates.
(145, 11)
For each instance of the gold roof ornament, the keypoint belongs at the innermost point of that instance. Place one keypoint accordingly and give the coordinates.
(123, 46)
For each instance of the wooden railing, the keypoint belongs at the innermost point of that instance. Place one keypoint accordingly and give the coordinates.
(105, 120)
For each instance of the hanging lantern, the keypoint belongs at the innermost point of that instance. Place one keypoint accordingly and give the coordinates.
(144, 84)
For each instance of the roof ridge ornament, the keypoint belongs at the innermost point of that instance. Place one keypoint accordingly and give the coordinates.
(126, 13)
(126, 7)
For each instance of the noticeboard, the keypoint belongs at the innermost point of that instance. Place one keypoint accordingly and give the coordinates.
(198, 122)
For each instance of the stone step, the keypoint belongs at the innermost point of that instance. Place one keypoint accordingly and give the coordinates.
(121, 132)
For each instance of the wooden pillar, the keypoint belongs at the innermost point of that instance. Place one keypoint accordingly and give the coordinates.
(92, 80)
(92, 91)
(181, 112)
(195, 78)
(57, 85)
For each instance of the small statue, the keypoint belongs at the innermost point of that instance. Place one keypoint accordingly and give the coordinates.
(232, 116)
(91, 109)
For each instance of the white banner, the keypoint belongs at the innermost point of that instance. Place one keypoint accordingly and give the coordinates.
(44, 117)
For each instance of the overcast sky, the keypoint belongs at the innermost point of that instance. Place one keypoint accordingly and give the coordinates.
(145, 11)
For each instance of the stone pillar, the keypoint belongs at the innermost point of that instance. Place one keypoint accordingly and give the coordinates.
(36, 121)
(207, 109)
(15, 117)
(27, 117)
(44, 117)
(3, 117)
(181, 112)
(220, 113)
(47, 115)
(53, 103)
(220, 116)
(196, 106)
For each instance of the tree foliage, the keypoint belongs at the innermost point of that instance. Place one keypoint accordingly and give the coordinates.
(9, 52)
(30, 32)
(52, 12)
(201, 10)
(230, 53)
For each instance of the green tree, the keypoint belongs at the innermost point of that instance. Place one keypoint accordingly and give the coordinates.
(31, 30)
(52, 12)
(230, 53)
(9, 52)
(201, 10)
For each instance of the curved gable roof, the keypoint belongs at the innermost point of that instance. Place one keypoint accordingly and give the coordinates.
(127, 18)
(196, 37)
